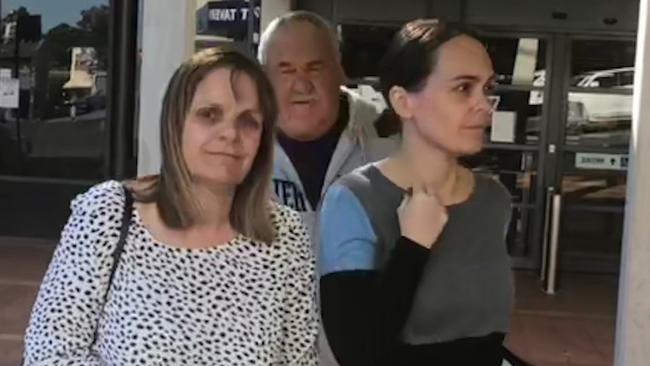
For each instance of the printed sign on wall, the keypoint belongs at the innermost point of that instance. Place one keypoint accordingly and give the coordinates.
(600, 161)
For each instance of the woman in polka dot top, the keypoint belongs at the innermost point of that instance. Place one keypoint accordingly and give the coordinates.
(211, 272)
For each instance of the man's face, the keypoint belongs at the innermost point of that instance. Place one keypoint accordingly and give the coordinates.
(306, 75)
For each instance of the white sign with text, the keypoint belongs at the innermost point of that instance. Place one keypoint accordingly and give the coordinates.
(9, 92)
(601, 161)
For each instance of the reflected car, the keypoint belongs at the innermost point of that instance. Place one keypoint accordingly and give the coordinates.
(608, 109)
(590, 109)
(88, 104)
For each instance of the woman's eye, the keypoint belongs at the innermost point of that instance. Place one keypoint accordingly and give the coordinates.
(463, 89)
(249, 123)
(208, 114)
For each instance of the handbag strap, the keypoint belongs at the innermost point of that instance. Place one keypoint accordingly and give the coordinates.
(119, 248)
(124, 233)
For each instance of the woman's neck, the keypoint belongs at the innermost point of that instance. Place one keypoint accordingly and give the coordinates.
(215, 203)
(431, 168)
(211, 225)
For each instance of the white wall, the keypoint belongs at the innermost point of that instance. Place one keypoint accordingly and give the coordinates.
(633, 323)
(272, 9)
(168, 32)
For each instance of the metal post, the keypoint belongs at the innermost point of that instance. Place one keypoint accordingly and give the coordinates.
(250, 23)
(547, 224)
(553, 251)
(19, 138)
(122, 93)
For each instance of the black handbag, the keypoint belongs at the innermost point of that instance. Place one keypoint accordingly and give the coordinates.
(513, 359)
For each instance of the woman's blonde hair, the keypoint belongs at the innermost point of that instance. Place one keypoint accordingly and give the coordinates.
(171, 190)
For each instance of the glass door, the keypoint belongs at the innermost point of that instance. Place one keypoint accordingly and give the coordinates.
(592, 170)
(514, 144)
(559, 142)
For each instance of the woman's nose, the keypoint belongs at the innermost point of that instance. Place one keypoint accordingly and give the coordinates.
(227, 131)
(489, 102)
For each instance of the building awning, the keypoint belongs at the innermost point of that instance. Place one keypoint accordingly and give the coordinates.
(79, 80)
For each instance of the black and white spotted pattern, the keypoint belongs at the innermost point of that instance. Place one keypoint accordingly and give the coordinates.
(243, 303)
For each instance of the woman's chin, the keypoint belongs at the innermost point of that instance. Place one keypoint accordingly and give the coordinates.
(222, 180)
(467, 150)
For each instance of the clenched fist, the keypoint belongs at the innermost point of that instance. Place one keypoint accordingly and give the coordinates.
(421, 216)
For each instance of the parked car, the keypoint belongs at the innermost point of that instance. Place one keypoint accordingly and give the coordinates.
(595, 109)
(605, 109)
(87, 104)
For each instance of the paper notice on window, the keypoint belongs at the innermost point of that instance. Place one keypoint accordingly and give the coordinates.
(9, 92)
(525, 62)
(503, 126)
(5, 73)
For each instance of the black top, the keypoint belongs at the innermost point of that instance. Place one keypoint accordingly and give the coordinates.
(311, 159)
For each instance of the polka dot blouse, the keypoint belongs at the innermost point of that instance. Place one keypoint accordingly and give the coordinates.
(243, 303)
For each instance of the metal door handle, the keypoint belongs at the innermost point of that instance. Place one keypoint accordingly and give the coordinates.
(550, 285)
(547, 223)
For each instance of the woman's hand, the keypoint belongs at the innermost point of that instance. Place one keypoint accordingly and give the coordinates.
(421, 216)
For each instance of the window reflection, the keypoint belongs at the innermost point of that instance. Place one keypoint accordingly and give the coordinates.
(591, 239)
(58, 71)
(362, 47)
(518, 61)
(227, 22)
(518, 118)
(600, 96)
(516, 170)
(594, 178)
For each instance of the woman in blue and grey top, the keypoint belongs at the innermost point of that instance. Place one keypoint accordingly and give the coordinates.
(414, 267)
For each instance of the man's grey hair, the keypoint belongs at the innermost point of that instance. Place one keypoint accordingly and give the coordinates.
(278, 23)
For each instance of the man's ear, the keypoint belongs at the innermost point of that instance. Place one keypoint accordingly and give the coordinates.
(339, 74)
(400, 102)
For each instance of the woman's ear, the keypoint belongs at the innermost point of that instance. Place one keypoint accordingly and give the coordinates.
(400, 102)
